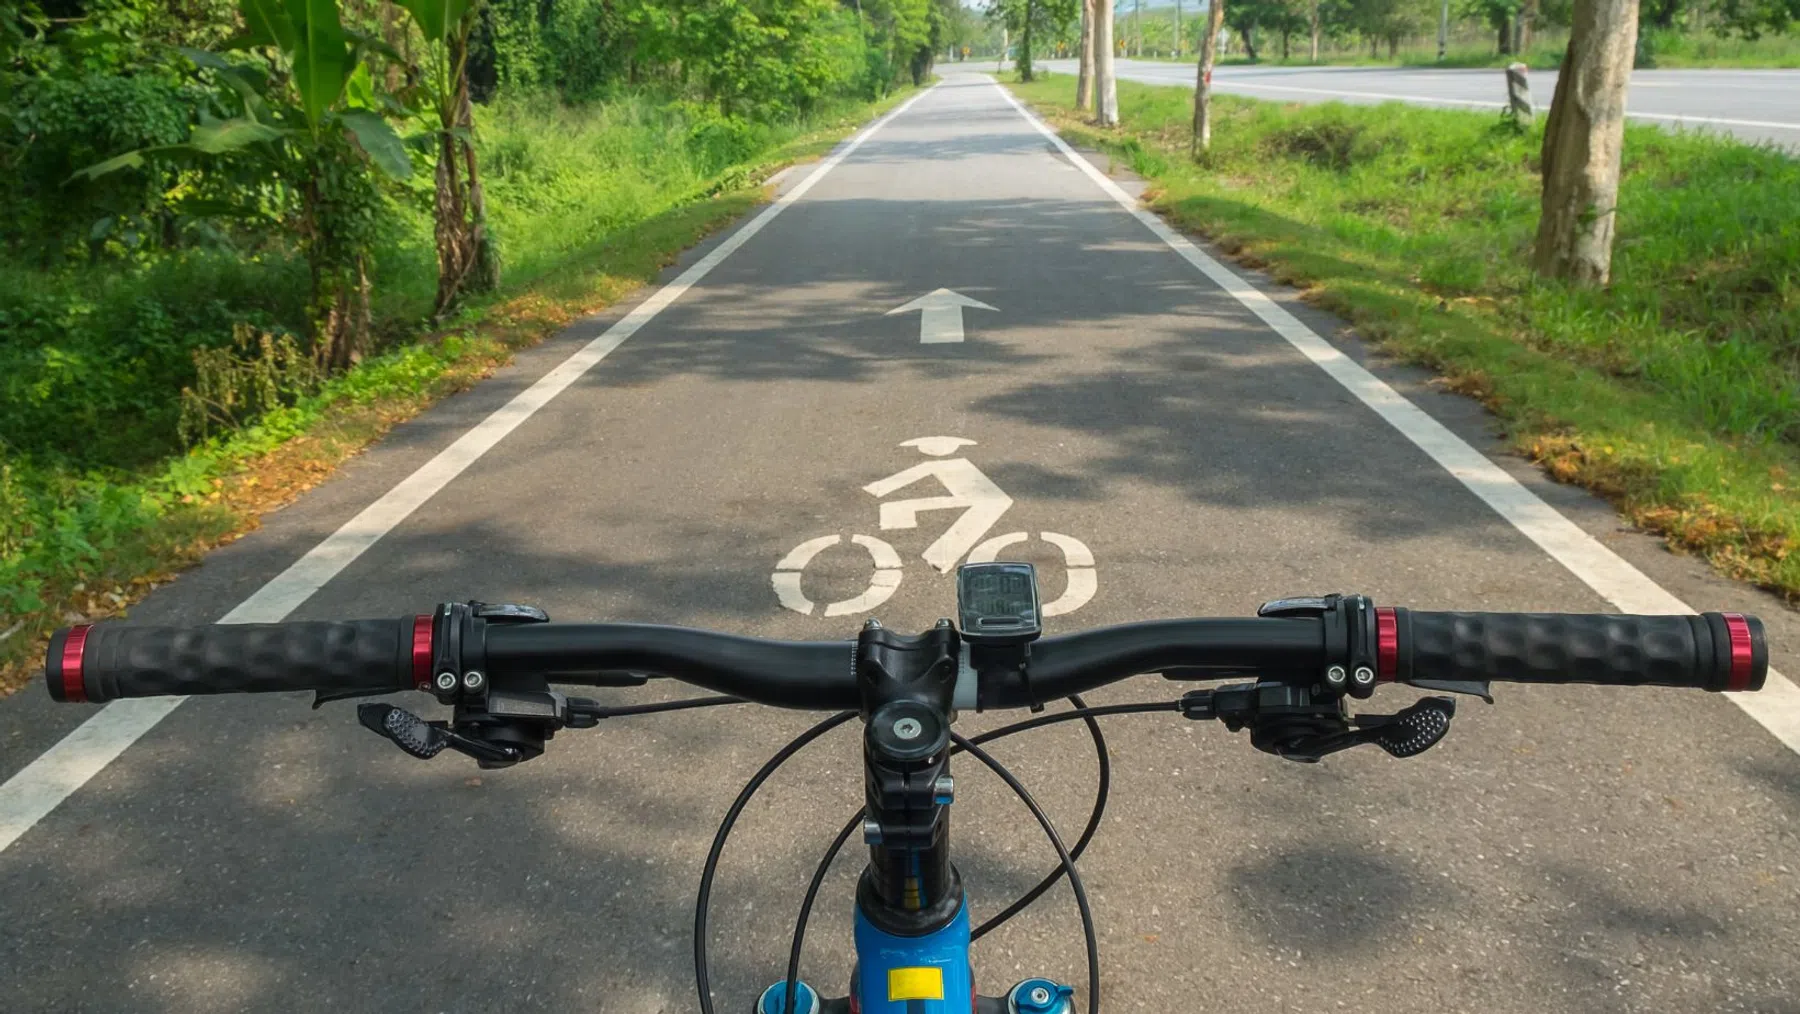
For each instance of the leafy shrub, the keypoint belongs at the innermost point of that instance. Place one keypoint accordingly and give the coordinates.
(60, 125)
(93, 359)
(716, 142)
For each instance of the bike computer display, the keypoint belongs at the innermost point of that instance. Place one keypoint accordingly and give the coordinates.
(997, 603)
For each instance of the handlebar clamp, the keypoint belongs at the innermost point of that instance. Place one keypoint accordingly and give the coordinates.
(1350, 639)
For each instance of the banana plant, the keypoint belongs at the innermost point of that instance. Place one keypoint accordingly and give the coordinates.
(312, 122)
(466, 255)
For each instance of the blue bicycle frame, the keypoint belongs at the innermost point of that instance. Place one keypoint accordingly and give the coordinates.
(929, 974)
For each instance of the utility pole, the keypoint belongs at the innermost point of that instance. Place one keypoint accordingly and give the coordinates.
(1177, 29)
(1443, 29)
(1137, 24)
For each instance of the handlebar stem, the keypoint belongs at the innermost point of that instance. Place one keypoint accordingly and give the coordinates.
(906, 685)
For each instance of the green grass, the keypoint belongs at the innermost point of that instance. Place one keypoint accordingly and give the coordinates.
(1667, 50)
(99, 501)
(1675, 391)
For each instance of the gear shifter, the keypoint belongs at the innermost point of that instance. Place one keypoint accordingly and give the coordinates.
(426, 740)
(1416, 729)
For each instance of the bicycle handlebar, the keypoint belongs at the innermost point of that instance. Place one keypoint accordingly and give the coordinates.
(1710, 651)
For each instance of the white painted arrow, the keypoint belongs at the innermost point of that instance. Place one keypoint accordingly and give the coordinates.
(940, 315)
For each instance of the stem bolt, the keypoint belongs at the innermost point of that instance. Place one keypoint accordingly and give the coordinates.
(1365, 676)
(908, 728)
(1335, 675)
(943, 791)
(473, 680)
(446, 681)
(871, 831)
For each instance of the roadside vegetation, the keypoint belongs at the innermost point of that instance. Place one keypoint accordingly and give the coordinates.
(1482, 33)
(219, 277)
(1674, 390)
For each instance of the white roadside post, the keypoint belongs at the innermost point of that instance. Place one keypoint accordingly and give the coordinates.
(1518, 94)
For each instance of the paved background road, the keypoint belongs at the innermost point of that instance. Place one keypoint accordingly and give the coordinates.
(1568, 849)
(1757, 105)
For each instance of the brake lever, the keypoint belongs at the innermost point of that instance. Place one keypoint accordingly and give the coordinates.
(1474, 688)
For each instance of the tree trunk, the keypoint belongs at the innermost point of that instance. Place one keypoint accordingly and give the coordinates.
(394, 33)
(1393, 47)
(1084, 79)
(1505, 32)
(1285, 36)
(1315, 31)
(1582, 144)
(1209, 54)
(1025, 46)
(452, 254)
(1177, 29)
(458, 239)
(1249, 42)
(1527, 20)
(1106, 87)
(484, 267)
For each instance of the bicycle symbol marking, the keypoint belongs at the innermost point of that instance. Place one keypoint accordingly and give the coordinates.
(967, 489)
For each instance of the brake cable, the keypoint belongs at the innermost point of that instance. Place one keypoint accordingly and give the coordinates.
(704, 901)
(1062, 852)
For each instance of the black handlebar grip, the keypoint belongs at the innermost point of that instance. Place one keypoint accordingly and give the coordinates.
(108, 661)
(1710, 651)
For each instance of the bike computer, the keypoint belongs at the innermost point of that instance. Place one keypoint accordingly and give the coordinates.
(997, 603)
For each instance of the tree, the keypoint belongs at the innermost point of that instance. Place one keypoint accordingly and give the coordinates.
(1247, 17)
(466, 256)
(1499, 14)
(1106, 87)
(1244, 17)
(1751, 18)
(1660, 13)
(310, 121)
(1209, 51)
(1391, 21)
(1582, 144)
(1084, 76)
(1033, 22)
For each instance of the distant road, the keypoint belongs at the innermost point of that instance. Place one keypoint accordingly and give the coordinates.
(1756, 105)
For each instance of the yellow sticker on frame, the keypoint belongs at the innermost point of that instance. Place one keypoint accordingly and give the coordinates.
(925, 983)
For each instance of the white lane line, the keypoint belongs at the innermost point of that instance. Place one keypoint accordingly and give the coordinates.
(1227, 83)
(1340, 92)
(43, 784)
(1679, 118)
(1776, 707)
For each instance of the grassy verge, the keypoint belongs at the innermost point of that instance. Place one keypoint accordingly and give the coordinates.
(1673, 392)
(1663, 50)
(591, 206)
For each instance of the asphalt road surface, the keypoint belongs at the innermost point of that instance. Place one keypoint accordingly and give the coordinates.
(1568, 849)
(1757, 105)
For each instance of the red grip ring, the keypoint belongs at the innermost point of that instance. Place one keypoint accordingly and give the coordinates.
(74, 646)
(1743, 652)
(1387, 645)
(421, 652)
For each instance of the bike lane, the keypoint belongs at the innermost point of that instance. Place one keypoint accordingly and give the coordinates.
(1570, 848)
